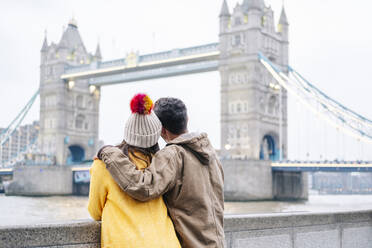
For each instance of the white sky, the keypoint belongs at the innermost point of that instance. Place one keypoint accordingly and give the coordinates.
(330, 44)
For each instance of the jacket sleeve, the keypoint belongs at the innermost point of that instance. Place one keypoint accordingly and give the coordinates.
(97, 192)
(144, 185)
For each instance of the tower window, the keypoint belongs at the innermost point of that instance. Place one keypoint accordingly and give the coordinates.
(272, 103)
(245, 107)
(232, 79)
(232, 108)
(238, 108)
(79, 121)
(237, 40)
(238, 21)
(263, 21)
(79, 101)
(49, 71)
(239, 78)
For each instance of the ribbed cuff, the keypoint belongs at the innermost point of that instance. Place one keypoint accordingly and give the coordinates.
(99, 154)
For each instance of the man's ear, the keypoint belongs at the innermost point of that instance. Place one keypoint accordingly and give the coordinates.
(163, 132)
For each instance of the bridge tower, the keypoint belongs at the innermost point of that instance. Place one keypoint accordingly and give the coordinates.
(68, 110)
(253, 107)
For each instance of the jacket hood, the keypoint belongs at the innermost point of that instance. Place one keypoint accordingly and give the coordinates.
(198, 144)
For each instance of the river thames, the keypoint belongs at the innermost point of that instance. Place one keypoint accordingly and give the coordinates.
(17, 210)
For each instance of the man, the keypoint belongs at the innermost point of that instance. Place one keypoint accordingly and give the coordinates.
(186, 172)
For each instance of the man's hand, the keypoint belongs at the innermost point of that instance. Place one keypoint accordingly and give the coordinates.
(99, 154)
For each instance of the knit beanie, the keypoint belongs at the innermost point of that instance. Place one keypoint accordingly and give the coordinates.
(143, 127)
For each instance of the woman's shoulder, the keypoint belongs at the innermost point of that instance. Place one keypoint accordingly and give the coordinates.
(139, 159)
(98, 166)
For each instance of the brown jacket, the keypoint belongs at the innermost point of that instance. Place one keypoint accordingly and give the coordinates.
(189, 175)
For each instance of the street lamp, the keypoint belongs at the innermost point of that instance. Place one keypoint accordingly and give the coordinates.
(92, 89)
(71, 84)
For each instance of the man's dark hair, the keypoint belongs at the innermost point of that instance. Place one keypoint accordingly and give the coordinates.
(172, 114)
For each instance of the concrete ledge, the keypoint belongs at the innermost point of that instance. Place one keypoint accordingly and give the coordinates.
(352, 229)
(235, 223)
(83, 233)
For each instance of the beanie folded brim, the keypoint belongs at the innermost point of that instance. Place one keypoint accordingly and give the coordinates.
(142, 130)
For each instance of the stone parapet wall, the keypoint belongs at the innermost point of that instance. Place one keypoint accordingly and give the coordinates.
(71, 234)
(247, 180)
(254, 180)
(301, 230)
(41, 180)
(351, 229)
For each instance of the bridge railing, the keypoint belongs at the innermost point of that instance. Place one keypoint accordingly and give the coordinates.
(183, 52)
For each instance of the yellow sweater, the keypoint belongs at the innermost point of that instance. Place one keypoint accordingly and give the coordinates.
(127, 222)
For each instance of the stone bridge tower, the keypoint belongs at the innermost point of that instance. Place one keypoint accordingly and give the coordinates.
(253, 107)
(68, 110)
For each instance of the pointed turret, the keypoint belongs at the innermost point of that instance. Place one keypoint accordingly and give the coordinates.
(98, 54)
(44, 48)
(224, 17)
(71, 38)
(225, 9)
(283, 26)
(283, 18)
(253, 4)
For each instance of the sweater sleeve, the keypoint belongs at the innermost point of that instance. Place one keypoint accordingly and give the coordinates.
(144, 185)
(98, 190)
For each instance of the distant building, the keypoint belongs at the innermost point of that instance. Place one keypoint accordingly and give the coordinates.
(19, 141)
(342, 183)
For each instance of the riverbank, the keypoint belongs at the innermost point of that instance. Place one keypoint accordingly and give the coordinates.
(17, 210)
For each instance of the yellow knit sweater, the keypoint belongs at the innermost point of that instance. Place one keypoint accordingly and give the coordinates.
(127, 222)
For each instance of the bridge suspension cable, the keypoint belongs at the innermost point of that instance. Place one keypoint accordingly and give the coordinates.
(345, 118)
(333, 112)
(332, 102)
(12, 127)
(9, 131)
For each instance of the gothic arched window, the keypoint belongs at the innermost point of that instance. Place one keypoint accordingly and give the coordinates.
(238, 21)
(238, 108)
(237, 40)
(245, 107)
(262, 104)
(272, 103)
(79, 121)
(79, 101)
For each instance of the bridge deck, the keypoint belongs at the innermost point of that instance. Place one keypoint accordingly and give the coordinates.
(325, 167)
(141, 67)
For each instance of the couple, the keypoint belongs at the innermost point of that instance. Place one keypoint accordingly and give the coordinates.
(134, 186)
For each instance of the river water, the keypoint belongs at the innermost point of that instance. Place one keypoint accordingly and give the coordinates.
(16, 210)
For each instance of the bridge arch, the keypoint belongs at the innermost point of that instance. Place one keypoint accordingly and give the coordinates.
(269, 148)
(76, 154)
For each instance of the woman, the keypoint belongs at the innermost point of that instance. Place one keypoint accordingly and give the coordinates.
(127, 222)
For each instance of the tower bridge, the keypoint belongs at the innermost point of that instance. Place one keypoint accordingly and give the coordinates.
(251, 123)
(141, 67)
(251, 57)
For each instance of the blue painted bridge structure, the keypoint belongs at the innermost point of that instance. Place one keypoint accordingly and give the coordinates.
(81, 173)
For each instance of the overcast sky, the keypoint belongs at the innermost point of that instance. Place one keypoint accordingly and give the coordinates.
(330, 44)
